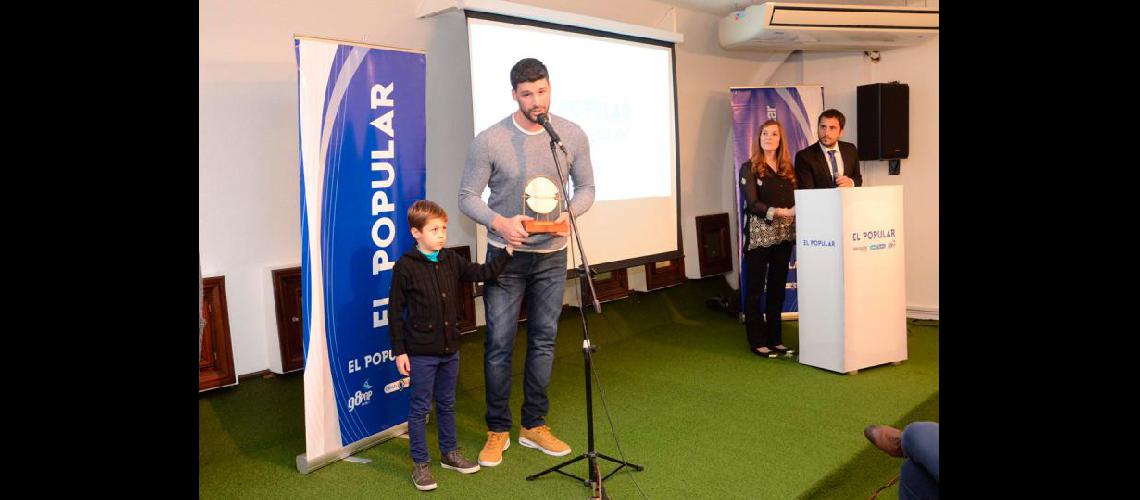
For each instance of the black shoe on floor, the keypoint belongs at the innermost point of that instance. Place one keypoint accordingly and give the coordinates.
(781, 350)
(769, 354)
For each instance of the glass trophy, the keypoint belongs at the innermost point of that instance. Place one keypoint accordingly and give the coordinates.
(541, 200)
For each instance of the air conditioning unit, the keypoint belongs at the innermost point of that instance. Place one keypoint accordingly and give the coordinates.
(810, 26)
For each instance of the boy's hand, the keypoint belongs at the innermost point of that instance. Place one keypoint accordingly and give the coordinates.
(403, 364)
(510, 249)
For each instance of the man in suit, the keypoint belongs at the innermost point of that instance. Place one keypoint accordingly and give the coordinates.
(829, 162)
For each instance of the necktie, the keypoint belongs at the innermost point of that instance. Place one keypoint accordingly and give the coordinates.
(834, 166)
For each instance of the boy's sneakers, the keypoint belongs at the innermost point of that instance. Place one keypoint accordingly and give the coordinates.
(421, 477)
(492, 453)
(454, 461)
(541, 439)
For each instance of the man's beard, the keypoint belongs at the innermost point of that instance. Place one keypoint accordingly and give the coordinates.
(534, 120)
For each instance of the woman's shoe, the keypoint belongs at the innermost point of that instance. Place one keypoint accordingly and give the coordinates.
(769, 354)
(781, 350)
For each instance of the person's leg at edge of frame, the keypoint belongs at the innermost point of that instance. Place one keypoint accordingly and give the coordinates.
(919, 476)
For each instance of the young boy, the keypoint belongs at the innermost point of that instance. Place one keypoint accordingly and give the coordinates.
(423, 309)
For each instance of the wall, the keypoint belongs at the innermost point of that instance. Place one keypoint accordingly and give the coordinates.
(841, 73)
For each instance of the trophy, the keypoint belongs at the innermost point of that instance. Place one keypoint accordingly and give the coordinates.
(541, 200)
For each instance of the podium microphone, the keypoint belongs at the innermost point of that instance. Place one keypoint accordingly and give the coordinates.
(544, 120)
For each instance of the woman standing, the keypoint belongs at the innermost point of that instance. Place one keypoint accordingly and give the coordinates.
(768, 180)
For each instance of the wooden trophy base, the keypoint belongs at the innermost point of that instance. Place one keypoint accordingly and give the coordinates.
(546, 226)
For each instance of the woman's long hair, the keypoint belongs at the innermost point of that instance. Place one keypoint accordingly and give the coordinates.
(783, 156)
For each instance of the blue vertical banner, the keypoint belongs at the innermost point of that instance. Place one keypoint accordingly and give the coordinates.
(362, 131)
(796, 108)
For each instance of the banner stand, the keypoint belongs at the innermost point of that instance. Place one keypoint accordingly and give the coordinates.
(305, 466)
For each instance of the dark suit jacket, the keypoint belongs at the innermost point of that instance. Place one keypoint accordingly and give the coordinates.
(813, 170)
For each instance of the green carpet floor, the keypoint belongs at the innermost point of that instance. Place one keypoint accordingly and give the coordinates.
(706, 418)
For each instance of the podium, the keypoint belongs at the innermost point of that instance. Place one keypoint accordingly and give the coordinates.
(851, 270)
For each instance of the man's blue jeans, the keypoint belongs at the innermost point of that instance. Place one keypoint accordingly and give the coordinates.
(432, 376)
(541, 278)
(919, 476)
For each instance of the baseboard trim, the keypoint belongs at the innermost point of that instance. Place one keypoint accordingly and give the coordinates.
(922, 312)
(259, 374)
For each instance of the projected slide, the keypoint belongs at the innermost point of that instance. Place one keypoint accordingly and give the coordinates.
(621, 93)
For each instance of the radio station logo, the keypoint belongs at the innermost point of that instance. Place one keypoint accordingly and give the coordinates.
(817, 243)
(397, 385)
(866, 240)
(361, 398)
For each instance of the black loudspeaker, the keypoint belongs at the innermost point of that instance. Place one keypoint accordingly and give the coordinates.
(884, 124)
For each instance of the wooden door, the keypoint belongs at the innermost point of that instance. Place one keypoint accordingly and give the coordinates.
(216, 362)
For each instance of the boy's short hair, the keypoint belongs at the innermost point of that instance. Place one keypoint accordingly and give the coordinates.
(422, 211)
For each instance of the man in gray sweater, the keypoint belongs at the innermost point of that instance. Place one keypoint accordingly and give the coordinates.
(505, 157)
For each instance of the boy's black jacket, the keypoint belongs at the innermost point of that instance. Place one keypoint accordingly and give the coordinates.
(423, 304)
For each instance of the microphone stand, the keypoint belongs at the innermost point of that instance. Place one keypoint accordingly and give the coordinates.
(597, 489)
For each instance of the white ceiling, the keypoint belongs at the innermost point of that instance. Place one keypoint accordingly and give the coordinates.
(726, 7)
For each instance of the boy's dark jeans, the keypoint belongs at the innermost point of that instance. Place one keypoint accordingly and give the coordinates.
(432, 376)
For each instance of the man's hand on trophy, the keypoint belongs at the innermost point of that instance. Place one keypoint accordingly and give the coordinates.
(511, 229)
(563, 218)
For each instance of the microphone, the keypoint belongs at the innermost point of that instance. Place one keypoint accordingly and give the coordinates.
(544, 120)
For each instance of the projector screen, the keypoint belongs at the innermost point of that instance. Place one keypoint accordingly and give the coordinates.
(620, 90)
